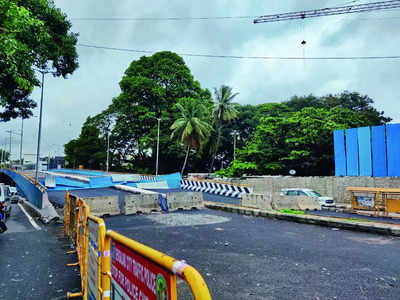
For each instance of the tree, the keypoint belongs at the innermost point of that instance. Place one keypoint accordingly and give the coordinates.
(299, 140)
(224, 111)
(32, 34)
(191, 128)
(89, 149)
(150, 88)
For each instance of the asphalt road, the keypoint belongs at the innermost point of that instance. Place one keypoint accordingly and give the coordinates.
(244, 257)
(33, 261)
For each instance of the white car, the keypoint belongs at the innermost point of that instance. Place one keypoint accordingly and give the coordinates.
(324, 201)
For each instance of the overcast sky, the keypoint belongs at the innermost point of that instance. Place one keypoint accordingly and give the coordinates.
(91, 88)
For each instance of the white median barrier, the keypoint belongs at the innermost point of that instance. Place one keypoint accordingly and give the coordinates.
(141, 203)
(308, 203)
(100, 206)
(260, 201)
(185, 200)
(285, 202)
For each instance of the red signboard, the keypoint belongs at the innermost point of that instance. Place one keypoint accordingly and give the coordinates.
(136, 277)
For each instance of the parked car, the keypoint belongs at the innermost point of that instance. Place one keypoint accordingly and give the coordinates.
(324, 201)
(13, 190)
(5, 199)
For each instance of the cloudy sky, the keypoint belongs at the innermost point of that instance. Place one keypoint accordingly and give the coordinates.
(91, 88)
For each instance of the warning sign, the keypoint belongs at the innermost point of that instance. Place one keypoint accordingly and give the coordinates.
(136, 277)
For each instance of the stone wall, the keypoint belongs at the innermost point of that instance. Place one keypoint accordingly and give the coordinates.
(327, 186)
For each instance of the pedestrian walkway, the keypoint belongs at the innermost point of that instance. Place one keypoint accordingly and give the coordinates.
(33, 261)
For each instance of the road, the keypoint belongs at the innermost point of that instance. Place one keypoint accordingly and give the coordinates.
(33, 261)
(244, 257)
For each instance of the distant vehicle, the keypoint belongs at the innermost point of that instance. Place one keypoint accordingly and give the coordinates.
(5, 200)
(13, 190)
(324, 201)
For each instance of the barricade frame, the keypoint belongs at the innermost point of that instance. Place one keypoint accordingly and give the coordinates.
(77, 216)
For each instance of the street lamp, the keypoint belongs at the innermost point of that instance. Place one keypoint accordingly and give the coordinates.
(108, 150)
(158, 140)
(43, 72)
(235, 132)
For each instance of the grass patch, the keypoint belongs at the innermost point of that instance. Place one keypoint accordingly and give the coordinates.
(292, 211)
(357, 220)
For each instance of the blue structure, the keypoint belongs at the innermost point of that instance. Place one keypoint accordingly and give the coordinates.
(367, 151)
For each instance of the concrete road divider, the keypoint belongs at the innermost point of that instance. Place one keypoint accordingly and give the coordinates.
(144, 203)
(308, 203)
(100, 206)
(260, 201)
(285, 202)
(187, 200)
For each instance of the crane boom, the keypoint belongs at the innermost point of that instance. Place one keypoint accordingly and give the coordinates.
(349, 9)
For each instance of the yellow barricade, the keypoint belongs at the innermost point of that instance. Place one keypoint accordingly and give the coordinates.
(113, 266)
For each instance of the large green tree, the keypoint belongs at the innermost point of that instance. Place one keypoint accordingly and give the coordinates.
(89, 149)
(224, 111)
(192, 128)
(300, 140)
(33, 34)
(150, 89)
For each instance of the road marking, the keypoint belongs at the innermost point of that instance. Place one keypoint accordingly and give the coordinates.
(34, 224)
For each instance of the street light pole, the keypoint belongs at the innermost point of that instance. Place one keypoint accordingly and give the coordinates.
(40, 126)
(158, 143)
(108, 150)
(20, 146)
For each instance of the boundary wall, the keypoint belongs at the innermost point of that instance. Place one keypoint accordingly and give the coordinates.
(113, 266)
(333, 186)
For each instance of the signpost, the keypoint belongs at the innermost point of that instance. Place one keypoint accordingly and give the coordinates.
(136, 277)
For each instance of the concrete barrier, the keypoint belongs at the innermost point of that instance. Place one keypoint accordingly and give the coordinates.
(144, 203)
(308, 203)
(260, 201)
(285, 202)
(100, 206)
(187, 200)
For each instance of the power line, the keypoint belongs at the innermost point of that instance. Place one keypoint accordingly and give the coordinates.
(349, 9)
(250, 57)
(165, 18)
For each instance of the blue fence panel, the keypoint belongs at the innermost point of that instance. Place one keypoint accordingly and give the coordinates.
(340, 153)
(393, 146)
(379, 160)
(352, 152)
(364, 151)
(31, 192)
(100, 182)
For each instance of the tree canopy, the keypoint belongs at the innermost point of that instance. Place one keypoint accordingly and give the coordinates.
(272, 138)
(33, 34)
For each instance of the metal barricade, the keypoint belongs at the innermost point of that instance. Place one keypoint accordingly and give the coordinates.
(113, 266)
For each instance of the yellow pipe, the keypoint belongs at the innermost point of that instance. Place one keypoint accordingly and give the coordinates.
(192, 277)
(74, 295)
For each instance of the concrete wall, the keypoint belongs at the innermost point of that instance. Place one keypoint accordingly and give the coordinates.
(327, 186)
(186, 200)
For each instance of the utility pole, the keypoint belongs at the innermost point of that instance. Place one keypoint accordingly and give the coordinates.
(20, 146)
(9, 149)
(158, 143)
(108, 151)
(43, 72)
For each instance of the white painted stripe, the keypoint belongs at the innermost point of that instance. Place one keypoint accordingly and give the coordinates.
(34, 224)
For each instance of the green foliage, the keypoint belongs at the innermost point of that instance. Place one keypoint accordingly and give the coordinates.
(192, 128)
(32, 33)
(89, 149)
(291, 211)
(236, 169)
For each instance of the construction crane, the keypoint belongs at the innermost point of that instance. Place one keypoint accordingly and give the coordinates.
(349, 9)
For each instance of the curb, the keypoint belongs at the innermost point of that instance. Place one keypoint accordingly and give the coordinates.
(379, 228)
(45, 215)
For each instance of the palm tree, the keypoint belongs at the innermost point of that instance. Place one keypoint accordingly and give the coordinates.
(223, 111)
(192, 128)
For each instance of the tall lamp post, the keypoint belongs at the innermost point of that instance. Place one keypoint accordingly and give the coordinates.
(108, 151)
(20, 146)
(43, 72)
(158, 143)
(235, 132)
